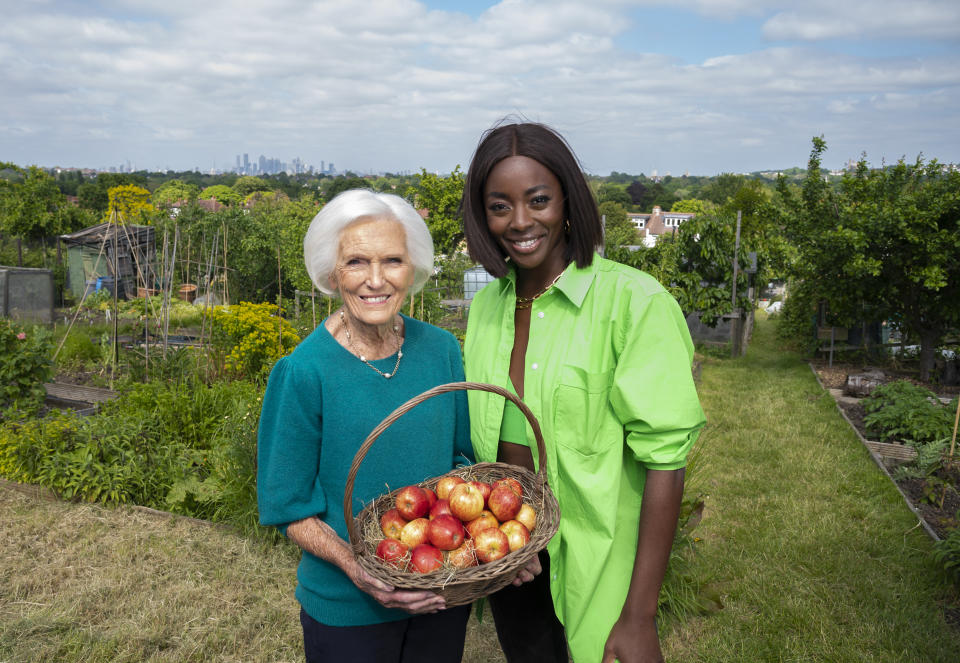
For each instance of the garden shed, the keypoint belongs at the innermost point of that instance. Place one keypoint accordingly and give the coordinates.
(95, 253)
(26, 294)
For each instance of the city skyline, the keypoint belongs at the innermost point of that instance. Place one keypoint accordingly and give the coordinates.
(636, 86)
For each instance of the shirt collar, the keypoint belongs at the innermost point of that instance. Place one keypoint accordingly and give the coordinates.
(574, 284)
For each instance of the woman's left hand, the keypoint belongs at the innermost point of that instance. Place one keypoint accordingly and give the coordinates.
(633, 642)
(530, 571)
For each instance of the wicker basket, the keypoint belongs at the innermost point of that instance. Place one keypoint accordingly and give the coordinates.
(457, 586)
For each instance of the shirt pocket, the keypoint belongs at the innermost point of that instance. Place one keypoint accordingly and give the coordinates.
(585, 422)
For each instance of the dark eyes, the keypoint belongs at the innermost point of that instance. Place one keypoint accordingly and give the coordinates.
(539, 200)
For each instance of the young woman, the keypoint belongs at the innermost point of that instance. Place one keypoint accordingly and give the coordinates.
(601, 354)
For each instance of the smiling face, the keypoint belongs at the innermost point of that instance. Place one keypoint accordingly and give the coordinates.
(374, 271)
(525, 214)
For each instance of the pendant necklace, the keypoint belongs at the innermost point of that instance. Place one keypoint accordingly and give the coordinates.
(396, 335)
(527, 302)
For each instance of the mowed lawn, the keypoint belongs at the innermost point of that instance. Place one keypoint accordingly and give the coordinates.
(810, 547)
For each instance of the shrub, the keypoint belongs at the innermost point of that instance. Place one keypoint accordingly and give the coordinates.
(24, 366)
(252, 337)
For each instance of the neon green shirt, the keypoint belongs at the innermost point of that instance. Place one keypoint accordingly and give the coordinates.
(608, 377)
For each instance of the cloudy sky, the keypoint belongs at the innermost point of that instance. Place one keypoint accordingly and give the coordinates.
(674, 86)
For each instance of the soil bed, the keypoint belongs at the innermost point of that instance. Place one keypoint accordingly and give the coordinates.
(941, 517)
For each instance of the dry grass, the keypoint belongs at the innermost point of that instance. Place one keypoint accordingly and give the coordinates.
(82, 582)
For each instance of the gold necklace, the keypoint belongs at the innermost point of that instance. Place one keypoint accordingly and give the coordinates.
(396, 335)
(527, 302)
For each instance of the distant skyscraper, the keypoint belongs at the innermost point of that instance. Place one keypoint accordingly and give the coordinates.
(246, 163)
(238, 163)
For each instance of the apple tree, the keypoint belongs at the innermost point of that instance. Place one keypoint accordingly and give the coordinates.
(886, 245)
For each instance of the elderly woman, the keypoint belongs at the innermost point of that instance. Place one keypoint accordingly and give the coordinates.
(601, 354)
(322, 401)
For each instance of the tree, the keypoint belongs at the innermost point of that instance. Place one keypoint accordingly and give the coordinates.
(174, 191)
(693, 206)
(130, 203)
(618, 231)
(614, 194)
(247, 184)
(885, 246)
(94, 194)
(440, 196)
(31, 205)
(222, 193)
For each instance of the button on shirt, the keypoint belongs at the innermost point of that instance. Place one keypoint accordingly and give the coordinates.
(608, 378)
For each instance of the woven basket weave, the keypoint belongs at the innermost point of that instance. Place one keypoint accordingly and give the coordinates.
(457, 586)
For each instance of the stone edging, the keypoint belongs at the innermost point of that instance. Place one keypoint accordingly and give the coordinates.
(877, 459)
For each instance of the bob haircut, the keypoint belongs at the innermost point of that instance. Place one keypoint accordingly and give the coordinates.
(321, 244)
(543, 144)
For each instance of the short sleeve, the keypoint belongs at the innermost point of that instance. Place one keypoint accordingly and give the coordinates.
(288, 446)
(653, 393)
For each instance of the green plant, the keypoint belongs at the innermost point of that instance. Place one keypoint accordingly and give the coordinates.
(905, 411)
(947, 553)
(78, 349)
(24, 366)
(252, 337)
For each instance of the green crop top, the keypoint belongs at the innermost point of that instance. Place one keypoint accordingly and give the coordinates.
(513, 428)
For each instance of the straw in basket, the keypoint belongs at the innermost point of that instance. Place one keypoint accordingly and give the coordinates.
(457, 586)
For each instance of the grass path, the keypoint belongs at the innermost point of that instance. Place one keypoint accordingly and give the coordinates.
(812, 549)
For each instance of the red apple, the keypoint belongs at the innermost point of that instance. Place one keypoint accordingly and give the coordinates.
(466, 502)
(517, 534)
(463, 557)
(446, 532)
(482, 522)
(425, 558)
(391, 522)
(392, 552)
(446, 484)
(483, 487)
(528, 516)
(440, 508)
(412, 502)
(491, 544)
(513, 483)
(504, 502)
(415, 532)
(431, 497)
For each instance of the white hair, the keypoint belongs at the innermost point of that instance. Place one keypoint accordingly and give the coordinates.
(321, 244)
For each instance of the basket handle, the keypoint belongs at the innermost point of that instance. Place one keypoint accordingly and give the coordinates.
(412, 403)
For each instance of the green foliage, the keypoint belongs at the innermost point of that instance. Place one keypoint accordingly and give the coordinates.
(174, 191)
(24, 366)
(947, 553)
(440, 196)
(184, 447)
(251, 337)
(886, 245)
(94, 194)
(619, 231)
(797, 321)
(31, 205)
(222, 193)
(613, 193)
(78, 349)
(247, 184)
(904, 411)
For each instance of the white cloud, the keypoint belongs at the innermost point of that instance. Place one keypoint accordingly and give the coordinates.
(393, 85)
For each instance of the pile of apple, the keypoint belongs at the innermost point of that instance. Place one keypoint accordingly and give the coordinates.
(463, 524)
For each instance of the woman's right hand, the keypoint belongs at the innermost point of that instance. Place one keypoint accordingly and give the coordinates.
(414, 602)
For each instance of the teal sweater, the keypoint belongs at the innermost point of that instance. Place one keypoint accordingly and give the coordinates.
(320, 404)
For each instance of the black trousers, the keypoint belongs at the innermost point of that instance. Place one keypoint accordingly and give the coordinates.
(527, 626)
(436, 638)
